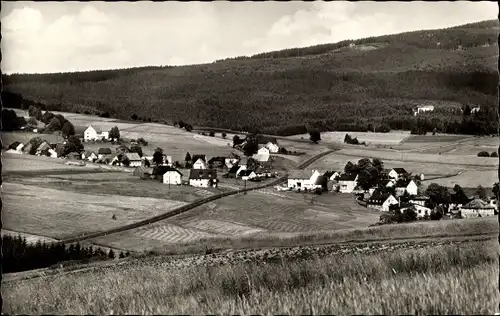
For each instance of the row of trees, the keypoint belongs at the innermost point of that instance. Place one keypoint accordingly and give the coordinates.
(18, 255)
(53, 122)
(12, 122)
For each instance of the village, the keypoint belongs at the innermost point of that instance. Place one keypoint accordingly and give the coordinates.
(372, 185)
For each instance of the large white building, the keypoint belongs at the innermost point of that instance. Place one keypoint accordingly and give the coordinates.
(172, 176)
(477, 208)
(203, 178)
(347, 183)
(273, 148)
(262, 155)
(199, 164)
(381, 202)
(303, 179)
(92, 133)
(403, 186)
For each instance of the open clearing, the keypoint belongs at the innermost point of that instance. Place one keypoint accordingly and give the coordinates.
(391, 138)
(57, 214)
(26, 163)
(247, 216)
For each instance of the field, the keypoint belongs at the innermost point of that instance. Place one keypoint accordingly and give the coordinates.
(406, 278)
(392, 138)
(251, 215)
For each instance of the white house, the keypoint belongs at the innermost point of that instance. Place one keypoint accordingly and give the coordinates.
(381, 202)
(475, 109)
(419, 200)
(262, 155)
(230, 162)
(172, 176)
(303, 179)
(92, 133)
(19, 147)
(477, 208)
(247, 175)
(203, 178)
(134, 159)
(403, 186)
(240, 170)
(199, 164)
(273, 148)
(347, 182)
(422, 109)
(89, 155)
(52, 153)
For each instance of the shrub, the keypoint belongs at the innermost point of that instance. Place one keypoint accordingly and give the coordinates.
(493, 154)
(483, 154)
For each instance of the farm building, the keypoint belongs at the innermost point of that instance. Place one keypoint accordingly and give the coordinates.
(262, 155)
(92, 133)
(73, 155)
(203, 178)
(422, 109)
(419, 209)
(419, 200)
(103, 151)
(406, 185)
(332, 175)
(133, 158)
(475, 109)
(477, 208)
(194, 158)
(230, 162)
(89, 155)
(381, 201)
(232, 172)
(272, 147)
(247, 175)
(43, 146)
(199, 164)
(303, 179)
(104, 159)
(27, 148)
(217, 162)
(122, 149)
(16, 146)
(347, 182)
(395, 173)
(143, 172)
(49, 152)
(172, 176)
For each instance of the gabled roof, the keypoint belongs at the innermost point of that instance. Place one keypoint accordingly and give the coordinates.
(347, 177)
(403, 183)
(328, 174)
(203, 174)
(97, 129)
(245, 173)
(400, 170)
(196, 157)
(132, 156)
(27, 148)
(14, 145)
(104, 151)
(43, 146)
(478, 204)
(321, 180)
(88, 153)
(300, 174)
(378, 198)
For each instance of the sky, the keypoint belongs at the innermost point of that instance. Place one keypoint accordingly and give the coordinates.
(43, 37)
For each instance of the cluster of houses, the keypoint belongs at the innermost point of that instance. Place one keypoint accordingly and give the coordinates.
(53, 150)
(204, 172)
(404, 187)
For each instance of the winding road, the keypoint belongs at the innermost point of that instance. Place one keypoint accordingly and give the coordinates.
(187, 207)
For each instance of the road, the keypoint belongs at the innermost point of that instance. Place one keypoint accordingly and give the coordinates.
(187, 207)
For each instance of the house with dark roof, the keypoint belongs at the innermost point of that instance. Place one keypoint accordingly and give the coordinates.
(143, 172)
(332, 175)
(103, 151)
(347, 182)
(17, 146)
(89, 155)
(73, 155)
(232, 172)
(404, 185)
(381, 201)
(168, 175)
(247, 175)
(203, 178)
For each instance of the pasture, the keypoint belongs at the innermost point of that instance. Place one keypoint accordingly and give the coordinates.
(391, 138)
(58, 214)
(469, 178)
(24, 137)
(247, 216)
(28, 163)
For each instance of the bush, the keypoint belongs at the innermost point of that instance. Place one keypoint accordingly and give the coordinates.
(493, 154)
(483, 154)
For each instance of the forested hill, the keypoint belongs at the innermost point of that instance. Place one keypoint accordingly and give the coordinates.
(350, 85)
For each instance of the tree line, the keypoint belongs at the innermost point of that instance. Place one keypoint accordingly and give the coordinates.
(19, 255)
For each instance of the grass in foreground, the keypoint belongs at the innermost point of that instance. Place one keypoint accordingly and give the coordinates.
(453, 279)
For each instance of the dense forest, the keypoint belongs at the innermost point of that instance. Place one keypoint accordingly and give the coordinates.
(369, 84)
(18, 255)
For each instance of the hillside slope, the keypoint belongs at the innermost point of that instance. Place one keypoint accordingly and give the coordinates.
(331, 86)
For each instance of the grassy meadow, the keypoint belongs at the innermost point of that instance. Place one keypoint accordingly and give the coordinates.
(447, 279)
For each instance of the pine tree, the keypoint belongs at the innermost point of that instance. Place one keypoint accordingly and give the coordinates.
(111, 254)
